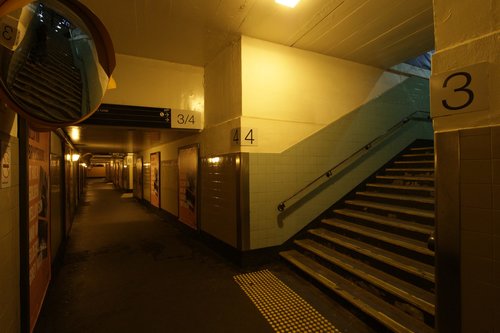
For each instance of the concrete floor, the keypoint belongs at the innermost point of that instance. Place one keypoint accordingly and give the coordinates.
(127, 270)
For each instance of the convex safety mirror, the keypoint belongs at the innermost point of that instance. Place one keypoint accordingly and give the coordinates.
(56, 60)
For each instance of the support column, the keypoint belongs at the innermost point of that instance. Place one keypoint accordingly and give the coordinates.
(465, 106)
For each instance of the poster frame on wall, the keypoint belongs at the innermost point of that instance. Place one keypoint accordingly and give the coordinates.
(139, 178)
(34, 222)
(155, 179)
(189, 156)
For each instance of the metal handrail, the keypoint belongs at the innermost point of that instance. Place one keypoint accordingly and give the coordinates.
(282, 205)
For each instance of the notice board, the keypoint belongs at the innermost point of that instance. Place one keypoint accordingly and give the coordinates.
(38, 220)
(188, 185)
(155, 179)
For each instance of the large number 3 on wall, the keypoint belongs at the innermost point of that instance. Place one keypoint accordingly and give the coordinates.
(461, 90)
(470, 94)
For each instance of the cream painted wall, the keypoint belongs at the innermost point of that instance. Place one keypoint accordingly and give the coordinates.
(148, 82)
(463, 39)
(169, 176)
(275, 177)
(223, 86)
(9, 231)
(289, 94)
(244, 87)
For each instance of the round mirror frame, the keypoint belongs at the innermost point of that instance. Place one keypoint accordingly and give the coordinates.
(104, 49)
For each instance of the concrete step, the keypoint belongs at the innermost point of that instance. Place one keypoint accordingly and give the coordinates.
(422, 148)
(424, 189)
(388, 315)
(407, 178)
(410, 170)
(398, 197)
(406, 243)
(413, 162)
(411, 267)
(424, 230)
(392, 208)
(399, 289)
(418, 155)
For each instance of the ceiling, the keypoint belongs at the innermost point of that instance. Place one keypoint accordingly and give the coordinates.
(381, 33)
(107, 140)
(376, 32)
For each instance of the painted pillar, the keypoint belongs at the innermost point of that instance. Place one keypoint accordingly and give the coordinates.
(465, 106)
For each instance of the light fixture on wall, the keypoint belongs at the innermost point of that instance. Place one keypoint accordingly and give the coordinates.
(214, 160)
(288, 3)
(75, 157)
(74, 133)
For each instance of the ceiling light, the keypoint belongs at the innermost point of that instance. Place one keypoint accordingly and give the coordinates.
(288, 3)
(74, 133)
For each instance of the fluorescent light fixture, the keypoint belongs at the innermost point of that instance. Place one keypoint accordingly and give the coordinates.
(288, 3)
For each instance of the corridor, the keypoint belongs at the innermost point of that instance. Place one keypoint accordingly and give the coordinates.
(127, 270)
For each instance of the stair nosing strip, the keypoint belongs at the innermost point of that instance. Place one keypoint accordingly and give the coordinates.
(415, 162)
(417, 155)
(402, 187)
(387, 221)
(392, 208)
(401, 197)
(422, 148)
(397, 177)
(409, 169)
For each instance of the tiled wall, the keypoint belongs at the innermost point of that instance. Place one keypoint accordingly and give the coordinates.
(220, 197)
(480, 228)
(274, 177)
(9, 245)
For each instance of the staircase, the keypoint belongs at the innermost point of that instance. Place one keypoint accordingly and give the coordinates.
(372, 251)
(49, 84)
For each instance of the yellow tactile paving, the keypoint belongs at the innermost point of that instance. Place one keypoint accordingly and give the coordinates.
(281, 306)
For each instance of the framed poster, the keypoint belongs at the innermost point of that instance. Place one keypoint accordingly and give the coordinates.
(138, 189)
(39, 268)
(5, 153)
(188, 185)
(155, 179)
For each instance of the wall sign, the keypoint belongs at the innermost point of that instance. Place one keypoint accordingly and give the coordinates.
(460, 91)
(6, 175)
(39, 220)
(244, 136)
(185, 119)
(11, 32)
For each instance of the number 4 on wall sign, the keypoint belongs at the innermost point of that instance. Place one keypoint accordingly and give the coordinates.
(244, 136)
(460, 91)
